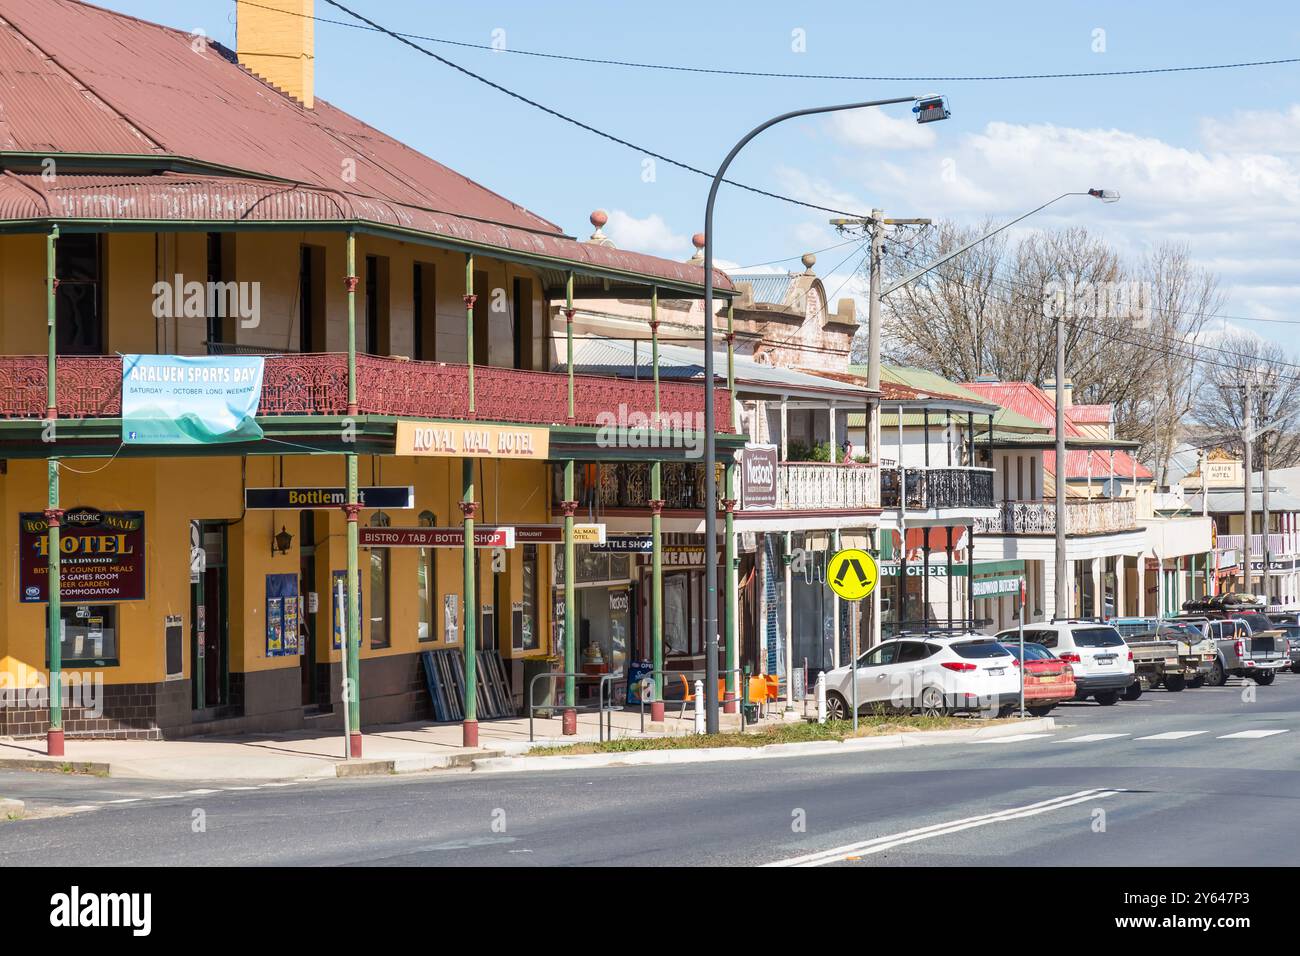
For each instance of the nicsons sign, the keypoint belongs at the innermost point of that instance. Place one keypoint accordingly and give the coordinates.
(758, 477)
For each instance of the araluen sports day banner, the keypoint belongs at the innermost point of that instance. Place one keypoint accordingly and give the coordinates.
(190, 400)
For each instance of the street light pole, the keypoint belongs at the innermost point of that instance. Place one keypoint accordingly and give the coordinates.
(710, 449)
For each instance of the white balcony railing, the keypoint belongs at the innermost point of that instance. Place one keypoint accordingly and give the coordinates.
(1282, 543)
(813, 486)
(1081, 517)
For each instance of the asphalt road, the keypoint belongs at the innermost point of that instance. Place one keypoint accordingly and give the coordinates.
(1159, 781)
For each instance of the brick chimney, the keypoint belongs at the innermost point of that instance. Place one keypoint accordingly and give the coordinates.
(1068, 397)
(276, 40)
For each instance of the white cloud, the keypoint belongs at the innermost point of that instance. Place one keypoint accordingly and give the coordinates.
(1232, 196)
(648, 234)
(876, 129)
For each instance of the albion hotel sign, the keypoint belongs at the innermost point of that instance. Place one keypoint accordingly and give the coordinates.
(462, 440)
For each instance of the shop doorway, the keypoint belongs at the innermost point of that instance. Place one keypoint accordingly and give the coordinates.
(307, 614)
(209, 613)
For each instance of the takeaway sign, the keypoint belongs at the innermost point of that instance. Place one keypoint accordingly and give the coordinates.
(102, 556)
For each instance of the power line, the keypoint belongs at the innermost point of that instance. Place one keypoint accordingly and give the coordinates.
(564, 117)
(761, 74)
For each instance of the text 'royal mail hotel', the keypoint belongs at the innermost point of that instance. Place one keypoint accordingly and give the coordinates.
(244, 338)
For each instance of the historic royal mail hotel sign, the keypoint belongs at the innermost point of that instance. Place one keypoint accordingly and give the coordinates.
(462, 440)
(102, 556)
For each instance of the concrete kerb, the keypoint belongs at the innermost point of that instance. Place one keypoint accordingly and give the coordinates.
(641, 758)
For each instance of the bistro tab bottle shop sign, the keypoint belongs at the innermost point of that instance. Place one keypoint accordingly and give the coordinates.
(461, 440)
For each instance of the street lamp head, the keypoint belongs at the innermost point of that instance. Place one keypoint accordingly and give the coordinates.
(1105, 195)
(931, 108)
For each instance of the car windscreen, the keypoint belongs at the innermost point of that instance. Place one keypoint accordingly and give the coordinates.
(1255, 621)
(1181, 631)
(1097, 637)
(1033, 652)
(975, 650)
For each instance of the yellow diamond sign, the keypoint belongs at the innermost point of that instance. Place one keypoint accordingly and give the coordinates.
(852, 574)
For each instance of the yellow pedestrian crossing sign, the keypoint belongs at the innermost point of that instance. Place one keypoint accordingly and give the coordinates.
(852, 574)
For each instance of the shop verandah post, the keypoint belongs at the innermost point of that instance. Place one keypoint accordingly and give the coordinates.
(53, 514)
(352, 510)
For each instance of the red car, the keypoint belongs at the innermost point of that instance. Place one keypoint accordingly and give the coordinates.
(1048, 679)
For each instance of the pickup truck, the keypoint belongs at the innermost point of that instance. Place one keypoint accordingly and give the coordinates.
(1247, 645)
(1171, 653)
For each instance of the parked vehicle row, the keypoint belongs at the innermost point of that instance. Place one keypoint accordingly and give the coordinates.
(936, 673)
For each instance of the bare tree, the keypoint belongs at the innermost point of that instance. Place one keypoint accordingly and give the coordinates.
(1132, 332)
(1220, 399)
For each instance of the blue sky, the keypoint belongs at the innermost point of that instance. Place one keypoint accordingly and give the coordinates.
(1211, 159)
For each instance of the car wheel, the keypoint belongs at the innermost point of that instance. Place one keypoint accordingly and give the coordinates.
(1197, 681)
(1106, 697)
(837, 708)
(1218, 676)
(1263, 678)
(1133, 691)
(933, 703)
(1175, 682)
(1041, 711)
(1295, 668)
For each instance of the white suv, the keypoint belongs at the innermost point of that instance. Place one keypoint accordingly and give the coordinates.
(933, 674)
(1102, 661)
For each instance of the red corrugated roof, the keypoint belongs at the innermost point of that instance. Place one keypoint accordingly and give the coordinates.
(1092, 414)
(76, 78)
(1034, 403)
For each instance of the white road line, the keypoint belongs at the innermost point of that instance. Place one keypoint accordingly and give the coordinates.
(880, 844)
(82, 808)
(168, 796)
(1174, 735)
(288, 783)
(127, 800)
(1089, 738)
(1251, 734)
(1012, 738)
(199, 793)
(238, 788)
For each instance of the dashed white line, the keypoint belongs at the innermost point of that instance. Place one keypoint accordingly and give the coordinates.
(1251, 734)
(1090, 738)
(1174, 735)
(1012, 738)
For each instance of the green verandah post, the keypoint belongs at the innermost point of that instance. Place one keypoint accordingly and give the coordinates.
(656, 530)
(468, 507)
(53, 514)
(352, 510)
(569, 722)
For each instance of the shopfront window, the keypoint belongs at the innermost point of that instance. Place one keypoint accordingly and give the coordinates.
(379, 584)
(89, 636)
(526, 637)
(426, 583)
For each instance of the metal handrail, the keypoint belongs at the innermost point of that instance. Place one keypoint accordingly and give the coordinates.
(602, 681)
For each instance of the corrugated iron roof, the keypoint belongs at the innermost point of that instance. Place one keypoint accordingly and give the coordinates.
(767, 288)
(80, 79)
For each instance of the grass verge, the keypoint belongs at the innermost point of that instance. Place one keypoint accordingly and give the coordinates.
(777, 734)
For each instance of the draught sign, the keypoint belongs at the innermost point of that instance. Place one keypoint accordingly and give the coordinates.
(852, 574)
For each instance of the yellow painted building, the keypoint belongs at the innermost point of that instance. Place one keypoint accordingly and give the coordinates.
(373, 286)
